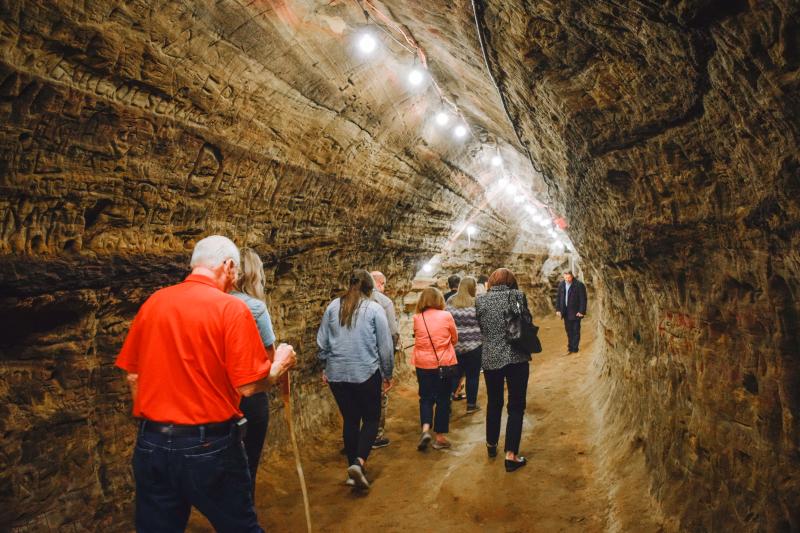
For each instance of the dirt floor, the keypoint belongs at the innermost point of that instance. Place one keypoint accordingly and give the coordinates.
(459, 489)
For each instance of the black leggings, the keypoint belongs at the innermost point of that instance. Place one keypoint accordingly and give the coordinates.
(516, 375)
(256, 410)
(360, 405)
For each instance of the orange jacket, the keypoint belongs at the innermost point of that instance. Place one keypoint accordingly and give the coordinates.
(445, 336)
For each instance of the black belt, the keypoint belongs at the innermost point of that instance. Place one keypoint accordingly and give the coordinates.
(214, 429)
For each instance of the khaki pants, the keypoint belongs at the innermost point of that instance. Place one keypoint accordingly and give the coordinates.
(382, 423)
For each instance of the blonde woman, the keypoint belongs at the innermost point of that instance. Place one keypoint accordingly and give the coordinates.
(249, 288)
(468, 348)
(435, 336)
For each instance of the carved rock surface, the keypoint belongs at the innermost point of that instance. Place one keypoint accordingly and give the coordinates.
(665, 134)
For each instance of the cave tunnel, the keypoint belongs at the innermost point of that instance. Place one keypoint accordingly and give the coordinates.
(650, 147)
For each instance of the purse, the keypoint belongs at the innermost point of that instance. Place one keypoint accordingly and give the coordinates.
(445, 372)
(521, 333)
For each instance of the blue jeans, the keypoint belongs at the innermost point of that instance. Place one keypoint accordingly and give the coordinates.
(434, 390)
(175, 473)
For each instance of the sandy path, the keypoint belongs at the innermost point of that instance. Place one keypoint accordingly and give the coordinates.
(460, 489)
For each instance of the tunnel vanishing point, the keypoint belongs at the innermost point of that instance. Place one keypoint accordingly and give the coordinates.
(651, 145)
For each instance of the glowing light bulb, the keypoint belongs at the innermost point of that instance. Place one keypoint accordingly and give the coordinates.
(471, 230)
(518, 199)
(460, 131)
(442, 118)
(497, 161)
(367, 43)
(502, 182)
(544, 222)
(530, 210)
(415, 77)
(427, 267)
(511, 188)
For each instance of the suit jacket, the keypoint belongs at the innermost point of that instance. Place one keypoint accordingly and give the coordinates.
(577, 300)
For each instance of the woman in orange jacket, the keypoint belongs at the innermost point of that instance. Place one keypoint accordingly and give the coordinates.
(434, 357)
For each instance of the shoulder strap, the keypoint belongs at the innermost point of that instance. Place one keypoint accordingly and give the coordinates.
(430, 339)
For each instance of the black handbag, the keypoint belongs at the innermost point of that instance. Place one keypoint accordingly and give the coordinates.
(521, 333)
(445, 372)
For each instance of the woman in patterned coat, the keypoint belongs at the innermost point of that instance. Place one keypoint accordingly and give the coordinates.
(502, 365)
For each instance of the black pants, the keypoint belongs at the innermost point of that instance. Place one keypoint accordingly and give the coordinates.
(434, 390)
(470, 365)
(516, 376)
(256, 410)
(360, 405)
(573, 328)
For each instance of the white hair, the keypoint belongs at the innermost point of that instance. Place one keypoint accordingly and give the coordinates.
(213, 251)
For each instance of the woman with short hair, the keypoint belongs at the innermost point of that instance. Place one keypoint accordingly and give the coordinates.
(356, 348)
(468, 348)
(249, 287)
(503, 365)
(434, 357)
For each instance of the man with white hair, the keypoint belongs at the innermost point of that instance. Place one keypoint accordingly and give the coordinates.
(388, 307)
(192, 351)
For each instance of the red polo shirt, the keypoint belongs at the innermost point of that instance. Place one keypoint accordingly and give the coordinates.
(191, 345)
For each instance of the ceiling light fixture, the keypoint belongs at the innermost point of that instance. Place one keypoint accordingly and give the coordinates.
(442, 118)
(497, 161)
(460, 131)
(415, 77)
(367, 43)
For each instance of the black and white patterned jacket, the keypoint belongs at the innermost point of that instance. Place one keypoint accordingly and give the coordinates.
(490, 308)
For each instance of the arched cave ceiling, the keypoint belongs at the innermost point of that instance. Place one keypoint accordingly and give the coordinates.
(664, 133)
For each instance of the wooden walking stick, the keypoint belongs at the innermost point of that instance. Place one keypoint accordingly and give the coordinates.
(287, 412)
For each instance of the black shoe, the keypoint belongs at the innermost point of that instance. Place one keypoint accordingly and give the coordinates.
(381, 442)
(472, 409)
(515, 465)
(491, 450)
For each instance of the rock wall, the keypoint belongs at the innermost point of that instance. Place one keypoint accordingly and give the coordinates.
(128, 130)
(669, 133)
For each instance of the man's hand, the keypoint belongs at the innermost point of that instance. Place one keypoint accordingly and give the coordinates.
(324, 378)
(579, 315)
(558, 314)
(285, 358)
(387, 385)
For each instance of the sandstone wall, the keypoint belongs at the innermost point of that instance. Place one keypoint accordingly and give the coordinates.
(669, 132)
(128, 130)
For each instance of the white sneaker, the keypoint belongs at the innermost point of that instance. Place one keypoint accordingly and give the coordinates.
(356, 473)
(349, 482)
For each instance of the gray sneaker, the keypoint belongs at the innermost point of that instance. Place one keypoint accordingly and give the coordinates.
(380, 442)
(424, 440)
(356, 473)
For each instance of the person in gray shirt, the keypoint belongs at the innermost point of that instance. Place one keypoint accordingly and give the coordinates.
(388, 307)
(355, 346)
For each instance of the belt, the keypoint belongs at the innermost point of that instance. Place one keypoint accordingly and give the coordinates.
(215, 429)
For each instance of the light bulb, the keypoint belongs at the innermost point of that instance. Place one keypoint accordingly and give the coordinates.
(415, 76)
(367, 43)
(518, 199)
(471, 230)
(511, 188)
(497, 161)
(442, 118)
(530, 210)
(502, 182)
(427, 267)
(544, 222)
(460, 131)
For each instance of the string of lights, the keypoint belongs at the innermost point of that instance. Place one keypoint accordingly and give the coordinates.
(418, 74)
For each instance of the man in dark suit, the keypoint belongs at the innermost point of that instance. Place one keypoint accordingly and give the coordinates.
(571, 306)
